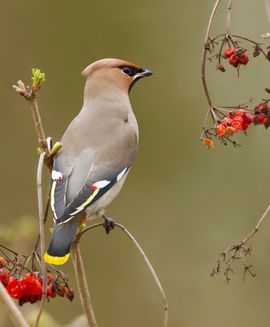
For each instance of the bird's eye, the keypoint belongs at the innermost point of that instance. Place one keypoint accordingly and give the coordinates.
(127, 71)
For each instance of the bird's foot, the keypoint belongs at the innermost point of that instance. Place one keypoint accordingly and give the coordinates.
(108, 224)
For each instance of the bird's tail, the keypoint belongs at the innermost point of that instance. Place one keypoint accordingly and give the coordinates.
(59, 248)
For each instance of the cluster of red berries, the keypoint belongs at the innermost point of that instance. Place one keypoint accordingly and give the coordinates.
(234, 122)
(239, 121)
(29, 288)
(262, 115)
(236, 56)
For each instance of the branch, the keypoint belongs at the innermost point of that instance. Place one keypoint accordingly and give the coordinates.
(204, 53)
(258, 225)
(14, 313)
(229, 18)
(152, 271)
(42, 236)
(148, 263)
(238, 251)
(31, 96)
(267, 6)
(82, 283)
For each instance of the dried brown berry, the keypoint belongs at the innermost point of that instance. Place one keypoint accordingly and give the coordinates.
(221, 68)
(268, 55)
(69, 294)
(256, 51)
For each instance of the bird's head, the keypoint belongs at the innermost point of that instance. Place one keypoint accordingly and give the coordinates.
(109, 73)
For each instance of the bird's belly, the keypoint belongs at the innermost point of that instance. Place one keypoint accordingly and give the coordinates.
(98, 207)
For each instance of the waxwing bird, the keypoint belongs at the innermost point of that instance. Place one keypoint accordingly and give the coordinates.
(98, 149)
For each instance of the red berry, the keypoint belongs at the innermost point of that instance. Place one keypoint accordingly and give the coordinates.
(229, 52)
(234, 60)
(220, 130)
(229, 131)
(3, 262)
(245, 126)
(4, 277)
(208, 143)
(49, 277)
(243, 58)
(259, 119)
(14, 288)
(31, 285)
(239, 113)
(51, 291)
(248, 119)
(237, 125)
(262, 107)
(227, 120)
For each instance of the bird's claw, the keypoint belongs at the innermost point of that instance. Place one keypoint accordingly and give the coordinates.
(108, 224)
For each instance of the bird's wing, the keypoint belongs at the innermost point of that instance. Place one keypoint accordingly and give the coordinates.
(63, 181)
(78, 183)
(89, 193)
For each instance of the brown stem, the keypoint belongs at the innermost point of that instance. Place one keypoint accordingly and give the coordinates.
(82, 284)
(229, 18)
(258, 225)
(38, 124)
(249, 40)
(44, 220)
(267, 7)
(204, 53)
(148, 263)
(152, 271)
(42, 236)
(14, 313)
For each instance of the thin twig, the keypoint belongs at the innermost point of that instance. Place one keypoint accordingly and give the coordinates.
(229, 19)
(152, 271)
(204, 53)
(241, 249)
(38, 124)
(82, 283)
(258, 225)
(267, 7)
(148, 263)
(42, 236)
(44, 220)
(31, 97)
(14, 313)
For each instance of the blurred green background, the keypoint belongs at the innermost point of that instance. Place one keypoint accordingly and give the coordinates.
(183, 203)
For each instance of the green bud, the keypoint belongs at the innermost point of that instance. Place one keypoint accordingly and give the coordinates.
(56, 147)
(38, 77)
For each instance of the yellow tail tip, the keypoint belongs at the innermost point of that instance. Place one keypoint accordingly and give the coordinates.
(56, 260)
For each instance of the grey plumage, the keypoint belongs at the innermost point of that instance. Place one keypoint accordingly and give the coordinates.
(98, 149)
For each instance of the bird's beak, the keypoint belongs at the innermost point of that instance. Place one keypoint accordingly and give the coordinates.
(144, 73)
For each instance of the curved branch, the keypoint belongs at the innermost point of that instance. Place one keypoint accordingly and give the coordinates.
(203, 61)
(258, 225)
(42, 236)
(152, 271)
(148, 263)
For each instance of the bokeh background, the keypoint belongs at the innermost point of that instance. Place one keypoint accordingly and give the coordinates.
(183, 203)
